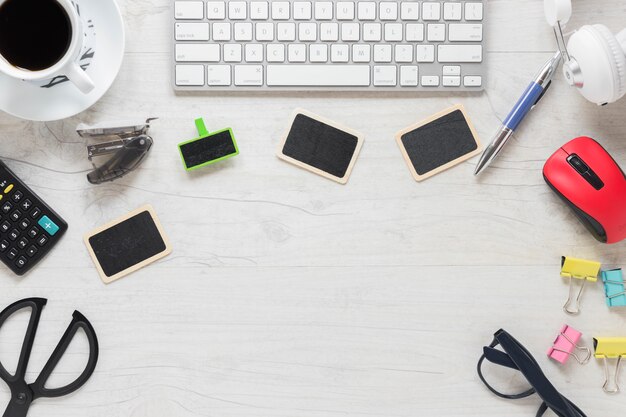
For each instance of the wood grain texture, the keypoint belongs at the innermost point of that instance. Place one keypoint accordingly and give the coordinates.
(288, 295)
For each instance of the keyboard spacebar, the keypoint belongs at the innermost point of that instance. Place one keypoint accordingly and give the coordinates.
(318, 75)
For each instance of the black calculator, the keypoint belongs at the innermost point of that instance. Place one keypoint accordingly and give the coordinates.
(29, 228)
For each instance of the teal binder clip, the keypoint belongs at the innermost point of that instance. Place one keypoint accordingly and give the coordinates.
(614, 288)
(208, 147)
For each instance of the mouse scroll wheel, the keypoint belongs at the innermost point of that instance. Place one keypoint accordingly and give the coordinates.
(578, 164)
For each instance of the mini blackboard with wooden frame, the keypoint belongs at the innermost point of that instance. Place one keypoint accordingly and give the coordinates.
(321, 146)
(127, 244)
(440, 142)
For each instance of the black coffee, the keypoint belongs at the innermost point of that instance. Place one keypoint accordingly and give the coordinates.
(34, 34)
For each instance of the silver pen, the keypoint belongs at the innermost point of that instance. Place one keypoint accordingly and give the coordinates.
(533, 94)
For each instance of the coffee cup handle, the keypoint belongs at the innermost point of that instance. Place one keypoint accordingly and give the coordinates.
(79, 78)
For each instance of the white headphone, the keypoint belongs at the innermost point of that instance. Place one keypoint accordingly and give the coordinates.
(595, 58)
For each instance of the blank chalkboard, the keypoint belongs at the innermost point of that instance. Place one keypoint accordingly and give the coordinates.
(127, 244)
(438, 143)
(321, 146)
(212, 148)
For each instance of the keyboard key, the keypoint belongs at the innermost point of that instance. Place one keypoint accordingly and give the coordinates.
(259, 10)
(243, 31)
(452, 11)
(280, 10)
(6, 207)
(460, 53)
(388, 10)
(286, 32)
(372, 32)
(318, 53)
(425, 53)
(24, 223)
(21, 262)
(404, 53)
(275, 52)
(449, 81)
(350, 32)
(221, 31)
(264, 31)
(361, 53)
(473, 11)
(197, 52)
(48, 225)
(192, 10)
(192, 31)
(318, 75)
(4, 245)
(296, 53)
(32, 251)
(16, 215)
(9, 188)
(189, 75)
(307, 32)
(382, 53)
(237, 10)
(345, 10)
(393, 32)
(254, 52)
(232, 52)
(366, 10)
(17, 196)
(249, 75)
(385, 75)
(33, 232)
(472, 81)
(430, 81)
(436, 33)
(218, 75)
(415, 32)
(451, 70)
(339, 53)
(35, 213)
(323, 10)
(12, 254)
(329, 32)
(5, 226)
(22, 243)
(216, 10)
(409, 10)
(13, 235)
(302, 10)
(431, 10)
(42, 240)
(458, 32)
(409, 75)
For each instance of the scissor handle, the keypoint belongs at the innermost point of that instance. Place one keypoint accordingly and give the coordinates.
(36, 304)
(79, 322)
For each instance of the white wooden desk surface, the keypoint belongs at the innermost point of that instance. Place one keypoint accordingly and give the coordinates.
(288, 295)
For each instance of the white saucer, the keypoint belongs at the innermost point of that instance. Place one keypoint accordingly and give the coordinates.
(34, 102)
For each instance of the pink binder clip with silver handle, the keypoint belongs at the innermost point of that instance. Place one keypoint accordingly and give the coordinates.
(566, 343)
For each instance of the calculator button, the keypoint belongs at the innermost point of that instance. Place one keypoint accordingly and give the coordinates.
(12, 254)
(4, 227)
(48, 225)
(8, 189)
(32, 251)
(42, 240)
(3, 184)
(4, 245)
(33, 232)
(35, 213)
(6, 207)
(16, 215)
(17, 196)
(26, 205)
(24, 224)
(22, 243)
(14, 234)
(21, 262)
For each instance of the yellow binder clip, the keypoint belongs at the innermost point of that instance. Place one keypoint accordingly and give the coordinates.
(610, 348)
(579, 269)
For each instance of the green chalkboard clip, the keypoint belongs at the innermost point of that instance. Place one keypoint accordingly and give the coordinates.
(202, 130)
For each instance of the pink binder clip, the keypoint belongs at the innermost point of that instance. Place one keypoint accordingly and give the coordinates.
(565, 344)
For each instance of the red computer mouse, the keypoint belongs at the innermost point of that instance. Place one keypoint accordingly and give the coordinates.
(589, 180)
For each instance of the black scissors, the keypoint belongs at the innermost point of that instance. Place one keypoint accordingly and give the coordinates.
(23, 394)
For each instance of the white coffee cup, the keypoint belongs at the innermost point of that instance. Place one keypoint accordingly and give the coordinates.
(68, 65)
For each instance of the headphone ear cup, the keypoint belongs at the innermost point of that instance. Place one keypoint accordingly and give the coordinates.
(602, 63)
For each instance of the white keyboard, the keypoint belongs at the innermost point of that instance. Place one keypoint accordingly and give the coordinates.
(328, 45)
